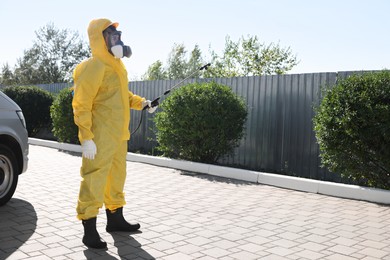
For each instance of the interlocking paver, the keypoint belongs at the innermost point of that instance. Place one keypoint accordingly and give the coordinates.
(186, 215)
(373, 252)
(308, 254)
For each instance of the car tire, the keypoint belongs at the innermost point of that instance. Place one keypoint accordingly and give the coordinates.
(8, 174)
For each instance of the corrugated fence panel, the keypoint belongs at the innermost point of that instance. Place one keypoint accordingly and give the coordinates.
(300, 151)
(279, 134)
(250, 130)
(320, 81)
(55, 87)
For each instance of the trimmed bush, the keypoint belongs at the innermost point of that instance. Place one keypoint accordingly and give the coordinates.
(61, 112)
(352, 127)
(200, 122)
(35, 103)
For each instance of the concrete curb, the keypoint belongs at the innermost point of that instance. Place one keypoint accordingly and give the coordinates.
(282, 181)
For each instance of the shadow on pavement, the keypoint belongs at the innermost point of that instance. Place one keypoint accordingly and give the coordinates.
(18, 223)
(102, 254)
(127, 246)
(213, 178)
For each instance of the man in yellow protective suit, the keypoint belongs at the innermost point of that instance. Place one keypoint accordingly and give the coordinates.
(101, 107)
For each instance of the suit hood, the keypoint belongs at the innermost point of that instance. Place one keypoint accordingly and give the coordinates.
(98, 45)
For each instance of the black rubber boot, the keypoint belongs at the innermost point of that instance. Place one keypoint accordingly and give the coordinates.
(91, 236)
(116, 222)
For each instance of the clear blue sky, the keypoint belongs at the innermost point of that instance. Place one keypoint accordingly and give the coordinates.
(326, 36)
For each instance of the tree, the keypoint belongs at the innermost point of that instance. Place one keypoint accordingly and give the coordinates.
(195, 61)
(246, 57)
(51, 59)
(155, 72)
(249, 57)
(7, 76)
(178, 65)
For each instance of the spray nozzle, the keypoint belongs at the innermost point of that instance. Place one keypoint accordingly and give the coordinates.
(205, 66)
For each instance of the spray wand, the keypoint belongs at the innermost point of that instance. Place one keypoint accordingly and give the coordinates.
(155, 102)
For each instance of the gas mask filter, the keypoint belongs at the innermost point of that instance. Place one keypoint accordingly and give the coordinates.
(114, 43)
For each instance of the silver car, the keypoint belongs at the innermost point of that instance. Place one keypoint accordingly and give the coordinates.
(13, 147)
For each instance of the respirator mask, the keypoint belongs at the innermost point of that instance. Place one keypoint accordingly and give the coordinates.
(114, 43)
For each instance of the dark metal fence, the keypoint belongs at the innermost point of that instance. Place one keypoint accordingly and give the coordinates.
(279, 134)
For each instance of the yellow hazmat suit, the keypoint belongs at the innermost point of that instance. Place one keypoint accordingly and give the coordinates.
(101, 107)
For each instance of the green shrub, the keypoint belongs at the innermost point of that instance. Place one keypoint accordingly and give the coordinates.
(352, 127)
(35, 103)
(200, 122)
(61, 112)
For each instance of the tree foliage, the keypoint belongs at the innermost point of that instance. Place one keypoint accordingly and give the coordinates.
(352, 127)
(200, 122)
(51, 59)
(178, 66)
(35, 104)
(61, 112)
(249, 57)
(7, 76)
(155, 72)
(245, 57)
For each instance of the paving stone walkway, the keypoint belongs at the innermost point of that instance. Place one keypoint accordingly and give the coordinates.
(185, 215)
